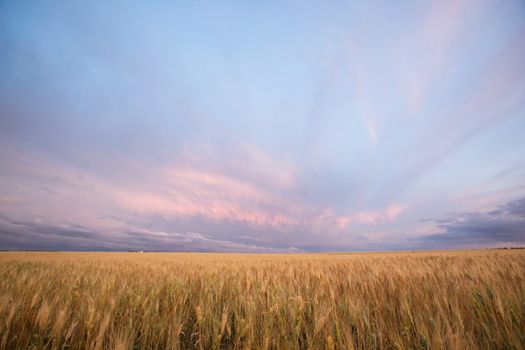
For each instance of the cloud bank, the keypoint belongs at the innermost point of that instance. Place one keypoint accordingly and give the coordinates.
(502, 226)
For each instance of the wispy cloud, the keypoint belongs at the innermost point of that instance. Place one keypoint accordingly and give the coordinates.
(497, 95)
(442, 28)
(373, 217)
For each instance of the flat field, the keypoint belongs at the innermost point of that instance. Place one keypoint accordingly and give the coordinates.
(435, 300)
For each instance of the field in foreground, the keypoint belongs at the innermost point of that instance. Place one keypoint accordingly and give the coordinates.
(436, 300)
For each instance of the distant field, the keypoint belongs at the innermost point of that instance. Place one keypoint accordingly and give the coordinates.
(434, 300)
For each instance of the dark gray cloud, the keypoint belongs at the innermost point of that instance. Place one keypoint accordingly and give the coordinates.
(25, 235)
(18, 234)
(505, 224)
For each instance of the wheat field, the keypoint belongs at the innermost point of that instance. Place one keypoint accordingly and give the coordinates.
(422, 300)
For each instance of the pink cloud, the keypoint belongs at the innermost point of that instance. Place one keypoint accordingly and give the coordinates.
(190, 191)
(373, 217)
(250, 187)
(187, 189)
(202, 203)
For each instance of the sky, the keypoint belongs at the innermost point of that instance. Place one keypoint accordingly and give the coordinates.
(271, 126)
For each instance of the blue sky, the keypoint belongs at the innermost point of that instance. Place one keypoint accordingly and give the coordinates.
(262, 126)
